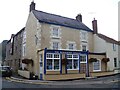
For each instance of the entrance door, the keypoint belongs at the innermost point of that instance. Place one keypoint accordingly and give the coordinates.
(63, 64)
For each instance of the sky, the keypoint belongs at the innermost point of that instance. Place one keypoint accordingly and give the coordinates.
(14, 14)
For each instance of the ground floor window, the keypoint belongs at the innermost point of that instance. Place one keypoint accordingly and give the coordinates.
(83, 58)
(115, 62)
(53, 61)
(72, 61)
(97, 65)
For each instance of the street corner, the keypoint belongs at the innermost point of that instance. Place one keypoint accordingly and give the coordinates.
(12, 79)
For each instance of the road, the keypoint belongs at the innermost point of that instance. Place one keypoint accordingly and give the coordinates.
(112, 82)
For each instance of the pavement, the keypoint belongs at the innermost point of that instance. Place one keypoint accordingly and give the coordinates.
(17, 78)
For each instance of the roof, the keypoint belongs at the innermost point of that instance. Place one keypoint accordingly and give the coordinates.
(20, 31)
(16, 34)
(107, 39)
(59, 20)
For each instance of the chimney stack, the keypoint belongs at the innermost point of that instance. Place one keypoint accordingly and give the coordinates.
(32, 6)
(94, 25)
(79, 17)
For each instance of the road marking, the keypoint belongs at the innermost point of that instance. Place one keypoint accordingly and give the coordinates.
(22, 81)
(116, 81)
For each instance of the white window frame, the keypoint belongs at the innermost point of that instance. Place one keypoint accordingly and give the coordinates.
(84, 44)
(38, 38)
(55, 45)
(71, 46)
(114, 47)
(85, 56)
(54, 40)
(72, 58)
(53, 58)
(71, 42)
(83, 36)
(24, 49)
(24, 37)
(55, 29)
(99, 65)
(83, 48)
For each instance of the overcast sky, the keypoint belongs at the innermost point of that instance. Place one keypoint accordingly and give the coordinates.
(14, 14)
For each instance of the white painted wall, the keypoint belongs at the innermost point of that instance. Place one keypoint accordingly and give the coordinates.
(100, 46)
(112, 54)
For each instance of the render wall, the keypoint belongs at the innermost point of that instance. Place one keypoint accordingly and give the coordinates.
(67, 34)
(31, 49)
(101, 46)
(112, 54)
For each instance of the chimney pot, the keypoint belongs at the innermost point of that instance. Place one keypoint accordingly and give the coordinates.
(79, 17)
(94, 25)
(32, 6)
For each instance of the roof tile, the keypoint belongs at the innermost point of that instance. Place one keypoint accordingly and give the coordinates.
(60, 20)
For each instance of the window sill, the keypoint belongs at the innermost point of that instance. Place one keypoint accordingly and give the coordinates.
(96, 70)
(84, 41)
(83, 62)
(54, 37)
(72, 69)
(53, 70)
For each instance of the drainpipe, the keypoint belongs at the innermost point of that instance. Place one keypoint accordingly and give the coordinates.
(45, 60)
(87, 65)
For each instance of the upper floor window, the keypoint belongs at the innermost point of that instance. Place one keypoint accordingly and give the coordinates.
(84, 47)
(24, 37)
(12, 46)
(114, 47)
(55, 45)
(24, 49)
(71, 45)
(55, 31)
(83, 36)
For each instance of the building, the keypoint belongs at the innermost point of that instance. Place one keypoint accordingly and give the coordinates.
(3, 51)
(57, 46)
(54, 47)
(107, 45)
(13, 51)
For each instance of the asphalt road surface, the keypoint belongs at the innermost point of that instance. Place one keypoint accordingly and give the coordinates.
(110, 82)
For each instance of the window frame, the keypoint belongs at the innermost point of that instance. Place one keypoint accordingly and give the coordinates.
(24, 37)
(55, 32)
(84, 36)
(68, 44)
(84, 44)
(73, 60)
(24, 49)
(71, 48)
(55, 47)
(53, 58)
(114, 47)
(99, 65)
(84, 48)
(115, 62)
(85, 57)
